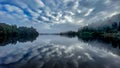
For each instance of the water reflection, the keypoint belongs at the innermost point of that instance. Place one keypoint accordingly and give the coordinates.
(5, 40)
(115, 42)
(60, 56)
(60, 52)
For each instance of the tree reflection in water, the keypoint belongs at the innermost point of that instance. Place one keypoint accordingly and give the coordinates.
(5, 40)
(115, 42)
(54, 55)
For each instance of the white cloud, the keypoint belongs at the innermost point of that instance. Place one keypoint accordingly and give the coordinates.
(11, 8)
(81, 22)
(23, 5)
(34, 14)
(89, 12)
(40, 3)
(50, 15)
(76, 5)
(107, 2)
(44, 18)
(74, 12)
(114, 13)
(68, 19)
(70, 12)
(79, 11)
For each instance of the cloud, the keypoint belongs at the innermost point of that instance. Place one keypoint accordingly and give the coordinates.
(44, 18)
(11, 8)
(114, 13)
(68, 18)
(107, 2)
(54, 12)
(40, 3)
(89, 12)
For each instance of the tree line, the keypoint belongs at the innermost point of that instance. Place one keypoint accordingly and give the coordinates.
(114, 27)
(112, 30)
(109, 34)
(13, 30)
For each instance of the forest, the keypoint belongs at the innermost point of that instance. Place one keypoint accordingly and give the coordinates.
(13, 30)
(111, 31)
(13, 34)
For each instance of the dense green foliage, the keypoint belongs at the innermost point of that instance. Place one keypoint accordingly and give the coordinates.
(13, 34)
(109, 34)
(108, 31)
(114, 27)
(13, 30)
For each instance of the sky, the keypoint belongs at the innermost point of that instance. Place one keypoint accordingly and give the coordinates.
(56, 15)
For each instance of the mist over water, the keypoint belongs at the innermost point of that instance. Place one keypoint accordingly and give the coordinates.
(52, 51)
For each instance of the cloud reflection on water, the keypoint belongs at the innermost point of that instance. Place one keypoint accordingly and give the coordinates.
(60, 56)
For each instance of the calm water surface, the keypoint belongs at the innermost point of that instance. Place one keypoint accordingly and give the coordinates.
(52, 51)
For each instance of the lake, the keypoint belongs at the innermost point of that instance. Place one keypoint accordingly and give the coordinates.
(54, 51)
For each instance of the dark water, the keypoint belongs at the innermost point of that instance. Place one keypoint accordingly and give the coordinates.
(52, 51)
